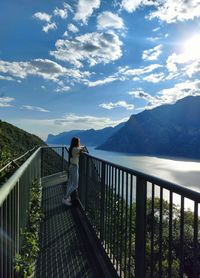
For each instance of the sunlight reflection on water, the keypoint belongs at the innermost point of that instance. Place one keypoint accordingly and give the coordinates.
(182, 172)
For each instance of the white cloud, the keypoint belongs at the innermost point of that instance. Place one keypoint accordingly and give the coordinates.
(42, 127)
(44, 68)
(72, 28)
(131, 5)
(153, 39)
(156, 29)
(8, 78)
(94, 48)
(188, 61)
(154, 77)
(108, 20)
(118, 104)
(85, 9)
(49, 26)
(169, 95)
(106, 80)
(68, 7)
(63, 13)
(42, 16)
(139, 71)
(139, 93)
(179, 10)
(35, 108)
(166, 10)
(126, 73)
(5, 101)
(65, 34)
(63, 89)
(153, 53)
(73, 121)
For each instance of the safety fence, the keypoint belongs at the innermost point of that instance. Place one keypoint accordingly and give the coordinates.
(149, 227)
(15, 200)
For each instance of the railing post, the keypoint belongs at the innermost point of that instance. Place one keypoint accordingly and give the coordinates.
(140, 240)
(42, 162)
(102, 212)
(62, 158)
(86, 182)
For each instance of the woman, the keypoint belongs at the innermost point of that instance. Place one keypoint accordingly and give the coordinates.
(74, 152)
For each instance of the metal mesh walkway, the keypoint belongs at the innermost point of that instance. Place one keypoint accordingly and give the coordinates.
(63, 250)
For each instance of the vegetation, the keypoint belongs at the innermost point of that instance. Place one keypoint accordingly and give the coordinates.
(13, 143)
(24, 261)
(119, 234)
(15, 140)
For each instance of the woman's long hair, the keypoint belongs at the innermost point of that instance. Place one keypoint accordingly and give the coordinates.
(75, 142)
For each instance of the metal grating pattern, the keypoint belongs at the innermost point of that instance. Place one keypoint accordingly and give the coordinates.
(63, 252)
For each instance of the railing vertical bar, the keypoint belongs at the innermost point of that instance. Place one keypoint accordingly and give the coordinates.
(12, 209)
(140, 240)
(126, 226)
(63, 158)
(122, 224)
(111, 227)
(181, 238)
(130, 226)
(106, 208)
(160, 232)
(87, 183)
(170, 234)
(195, 242)
(4, 242)
(118, 199)
(152, 230)
(99, 196)
(109, 208)
(1, 246)
(115, 216)
(102, 211)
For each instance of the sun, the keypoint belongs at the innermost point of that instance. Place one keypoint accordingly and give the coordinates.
(191, 47)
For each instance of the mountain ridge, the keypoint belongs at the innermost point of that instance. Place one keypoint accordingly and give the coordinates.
(169, 130)
(89, 137)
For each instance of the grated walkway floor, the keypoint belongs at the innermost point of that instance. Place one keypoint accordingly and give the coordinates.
(63, 251)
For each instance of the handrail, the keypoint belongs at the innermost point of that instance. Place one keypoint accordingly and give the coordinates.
(189, 193)
(6, 188)
(140, 219)
(16, 159)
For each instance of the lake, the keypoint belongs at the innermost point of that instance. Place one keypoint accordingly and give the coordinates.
(184, 172)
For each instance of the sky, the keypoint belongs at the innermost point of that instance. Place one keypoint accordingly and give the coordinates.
(84, 64)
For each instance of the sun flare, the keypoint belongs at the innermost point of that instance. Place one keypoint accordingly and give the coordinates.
(191, 47)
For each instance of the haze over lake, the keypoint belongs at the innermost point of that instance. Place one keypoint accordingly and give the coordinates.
(176, 170)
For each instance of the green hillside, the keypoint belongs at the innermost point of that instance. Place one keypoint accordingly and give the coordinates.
(15, 142)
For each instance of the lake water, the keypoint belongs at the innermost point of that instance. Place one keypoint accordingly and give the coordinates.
(182, 172)
(175, 170)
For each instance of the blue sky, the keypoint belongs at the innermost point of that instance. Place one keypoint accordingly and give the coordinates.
(92, 63)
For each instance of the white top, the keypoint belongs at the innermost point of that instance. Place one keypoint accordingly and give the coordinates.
(75, 156)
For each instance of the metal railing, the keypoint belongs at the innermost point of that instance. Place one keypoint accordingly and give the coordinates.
(15, 197)
(148, 227)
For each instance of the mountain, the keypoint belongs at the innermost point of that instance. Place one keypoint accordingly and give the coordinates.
(168, 130)
(90, 137)
(15, 141)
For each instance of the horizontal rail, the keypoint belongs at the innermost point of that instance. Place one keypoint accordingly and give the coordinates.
(6, 188)
(18, 158)
(188, 193)
(143, 222)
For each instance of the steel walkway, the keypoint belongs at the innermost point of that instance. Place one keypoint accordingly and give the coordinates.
(63, 249)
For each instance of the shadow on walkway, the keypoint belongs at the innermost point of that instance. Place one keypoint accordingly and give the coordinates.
(63, 251)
